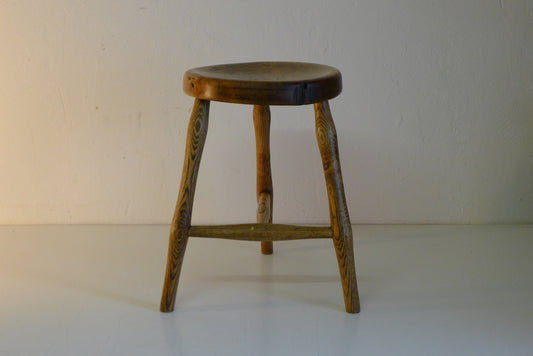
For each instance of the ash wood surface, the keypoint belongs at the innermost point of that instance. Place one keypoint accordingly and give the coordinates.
(181, 222)
(340, 219)
(261, 232)
(264, 175)
(264, 83)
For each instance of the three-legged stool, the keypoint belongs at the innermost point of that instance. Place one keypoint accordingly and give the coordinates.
(262, 84)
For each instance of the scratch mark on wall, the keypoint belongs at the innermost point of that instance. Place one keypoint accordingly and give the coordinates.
(501, 4)
(63, 107)
(33, 148)
(127, 210)
(400, 121)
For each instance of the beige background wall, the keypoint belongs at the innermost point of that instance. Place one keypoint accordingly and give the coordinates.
(435, 122)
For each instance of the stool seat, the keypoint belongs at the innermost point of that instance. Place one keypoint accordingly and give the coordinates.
(264, 83)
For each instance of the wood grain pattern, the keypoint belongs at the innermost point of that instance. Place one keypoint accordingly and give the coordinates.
(261, 232)
(264, 175)
(340, 219)
(181, 222)
(264, 83)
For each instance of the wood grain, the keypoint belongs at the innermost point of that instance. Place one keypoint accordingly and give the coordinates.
(261, 232)
(181, 222)
(264, 175)
(264, 83)
(340, 219)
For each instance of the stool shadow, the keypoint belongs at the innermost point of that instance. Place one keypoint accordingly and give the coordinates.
(276, 278)
(295, 296)
(265, 281)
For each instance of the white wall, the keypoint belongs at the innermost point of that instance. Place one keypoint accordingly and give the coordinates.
(435, 122)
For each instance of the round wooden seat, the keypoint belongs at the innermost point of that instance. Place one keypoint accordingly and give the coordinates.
(264, 83)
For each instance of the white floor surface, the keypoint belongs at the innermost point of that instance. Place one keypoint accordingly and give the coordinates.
(425, 290)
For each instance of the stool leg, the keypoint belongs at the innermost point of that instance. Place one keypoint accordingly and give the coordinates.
(340, 220)
(264, 175)
(179, 231)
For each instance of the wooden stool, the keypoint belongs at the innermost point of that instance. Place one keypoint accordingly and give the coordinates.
(262, 84)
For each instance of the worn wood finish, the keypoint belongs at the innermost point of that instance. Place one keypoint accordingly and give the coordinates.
(261, 232)
(264, 83)
(181, 222)
(264, 176)
(340, 220)
(264, 208)
(264, 216)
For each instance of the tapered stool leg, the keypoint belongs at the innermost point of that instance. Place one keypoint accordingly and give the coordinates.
(264, 175)
(340, 220)
(179, 231)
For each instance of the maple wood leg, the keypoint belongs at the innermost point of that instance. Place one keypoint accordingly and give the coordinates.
(179, 231)
(264, 175)
(340, 220)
